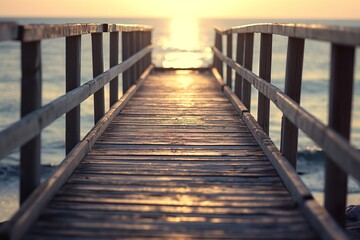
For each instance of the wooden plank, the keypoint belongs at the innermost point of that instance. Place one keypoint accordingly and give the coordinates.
(31, 125)
(114, 60)
(340, 105)
(293, 77)
(8, 31)
(334, 34)
(263, 113)
(73, 80)
(31, 82)
(98, 68)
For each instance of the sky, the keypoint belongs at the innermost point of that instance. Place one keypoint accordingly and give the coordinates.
(291, 9)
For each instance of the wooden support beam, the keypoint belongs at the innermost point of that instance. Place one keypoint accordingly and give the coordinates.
(264, 73)
(229, 54)
(30, 101)
(294, 66)
(114, 60)
(248, 59)
(240, 60)
(98, 68)
(73, 80)
(341, 91)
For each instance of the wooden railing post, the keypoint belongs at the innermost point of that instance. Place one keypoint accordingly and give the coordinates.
(217, 62)
(265, 73)
(248, 59)
(125, 55)
(138, 47)
(73, 71)
(150, 42)
(98, 68)
(340, 104)
(30, 100)
(114, 60)
(229, 54)
(240, 60)
(294, 66)
(133, 69)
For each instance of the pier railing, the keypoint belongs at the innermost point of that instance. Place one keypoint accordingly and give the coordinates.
(25, 133)
(342, 158)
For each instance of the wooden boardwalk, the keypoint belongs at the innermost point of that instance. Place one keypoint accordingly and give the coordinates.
(177, 162)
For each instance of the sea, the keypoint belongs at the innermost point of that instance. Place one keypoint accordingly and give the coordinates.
(182, 43)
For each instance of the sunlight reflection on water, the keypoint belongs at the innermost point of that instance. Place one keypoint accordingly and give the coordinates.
(182, 47)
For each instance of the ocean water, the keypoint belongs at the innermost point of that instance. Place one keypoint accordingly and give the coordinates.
(178, 43)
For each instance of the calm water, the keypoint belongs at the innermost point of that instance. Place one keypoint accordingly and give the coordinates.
(179, 43)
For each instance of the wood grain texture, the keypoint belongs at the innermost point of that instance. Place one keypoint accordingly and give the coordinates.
(174, 175)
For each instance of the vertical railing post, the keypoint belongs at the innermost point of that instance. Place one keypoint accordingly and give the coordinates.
(217, 62)
(114, 60)
(265, 73)
(73, 71)
(138, 47)
(125, 55)
(30, 101)
(133, 69)
(240, 60)
(229, 55)
(294, 66)
(248, 59)
(340, 104)
(150, 42)
(98, 68)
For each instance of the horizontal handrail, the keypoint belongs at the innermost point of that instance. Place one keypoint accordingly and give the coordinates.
(335, 145)
(36, 32)
(334, 34)
(31, 125)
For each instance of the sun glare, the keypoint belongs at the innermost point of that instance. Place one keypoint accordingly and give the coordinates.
(183, 44)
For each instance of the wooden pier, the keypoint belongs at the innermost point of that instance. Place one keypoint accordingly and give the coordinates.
(178, 156)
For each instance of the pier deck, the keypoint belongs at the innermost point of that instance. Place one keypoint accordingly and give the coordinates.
(177, 162)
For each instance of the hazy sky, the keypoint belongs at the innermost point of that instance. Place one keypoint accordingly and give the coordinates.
(330, 9)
